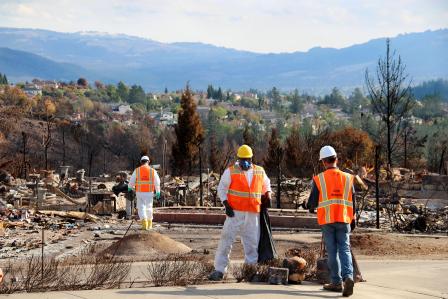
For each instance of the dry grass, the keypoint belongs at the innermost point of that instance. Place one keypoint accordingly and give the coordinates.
(83, 273)
(178, 270)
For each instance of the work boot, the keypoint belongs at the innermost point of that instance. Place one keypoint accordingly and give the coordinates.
(348, 287)
(216, 276)
(149, 224)
(144, 224)
(333, 287)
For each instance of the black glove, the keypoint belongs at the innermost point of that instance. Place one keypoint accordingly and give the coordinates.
(353, 225)
(265, 200)
(229, 210)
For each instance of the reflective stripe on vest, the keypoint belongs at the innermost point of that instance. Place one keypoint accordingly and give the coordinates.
(240, 195)
(331, 210)
(144, 179)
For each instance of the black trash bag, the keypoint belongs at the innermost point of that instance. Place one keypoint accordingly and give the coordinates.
(266, 248)
(121, 187)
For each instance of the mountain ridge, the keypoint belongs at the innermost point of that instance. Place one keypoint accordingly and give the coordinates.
(155, 65)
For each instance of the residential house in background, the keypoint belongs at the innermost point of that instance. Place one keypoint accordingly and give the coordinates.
(46, 83)
(32, 90)
(203, 111)
(121, 109)
(166, 118)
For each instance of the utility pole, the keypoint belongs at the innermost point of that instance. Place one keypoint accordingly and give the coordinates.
(377, 186)
(201, 195)
(279, 175)
(42, 255)
(208, 183)
(163, 171)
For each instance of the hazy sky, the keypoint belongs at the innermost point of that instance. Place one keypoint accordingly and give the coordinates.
(255, 25)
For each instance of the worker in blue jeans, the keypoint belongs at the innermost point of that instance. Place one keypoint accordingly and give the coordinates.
(333, 196)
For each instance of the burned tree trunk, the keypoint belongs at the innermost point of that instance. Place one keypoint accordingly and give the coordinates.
(274, 160)
(391, 97)
(47, 141)
(24, 164)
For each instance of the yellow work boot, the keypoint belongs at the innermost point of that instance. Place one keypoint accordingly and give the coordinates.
(144, 224)
(149, 224)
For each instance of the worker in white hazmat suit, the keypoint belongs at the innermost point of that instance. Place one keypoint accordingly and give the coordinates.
(146, 183)
(240, 190)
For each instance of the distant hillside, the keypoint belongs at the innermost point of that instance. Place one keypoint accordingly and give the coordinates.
(433, 87)
(157, 65)
(20, 65)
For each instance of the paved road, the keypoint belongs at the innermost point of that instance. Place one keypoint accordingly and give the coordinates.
(385, 279)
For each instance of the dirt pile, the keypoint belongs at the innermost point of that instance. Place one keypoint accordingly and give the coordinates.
(398, 245)
(146, 244)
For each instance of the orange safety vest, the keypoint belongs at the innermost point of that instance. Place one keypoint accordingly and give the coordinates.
(144, 179)
(240, 195)
(335, 196)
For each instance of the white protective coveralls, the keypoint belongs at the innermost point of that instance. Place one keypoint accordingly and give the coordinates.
(145, 199)
(245, 224)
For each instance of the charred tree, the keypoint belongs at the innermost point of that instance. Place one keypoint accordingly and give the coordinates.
(390, 96)
(248, 137)
(24, 150)
(293, 154)
(273, 161)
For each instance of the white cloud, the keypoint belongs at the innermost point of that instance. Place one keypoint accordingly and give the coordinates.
(256, 25)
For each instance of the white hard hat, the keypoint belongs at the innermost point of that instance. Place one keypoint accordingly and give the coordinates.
(144, 158)
(326, 151)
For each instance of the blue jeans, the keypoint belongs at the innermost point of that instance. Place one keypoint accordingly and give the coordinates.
(337, 241)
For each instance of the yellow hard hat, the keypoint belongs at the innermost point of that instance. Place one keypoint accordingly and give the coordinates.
(245, 152)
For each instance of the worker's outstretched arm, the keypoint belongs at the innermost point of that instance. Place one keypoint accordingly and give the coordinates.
(156, 181)
(266, 184)
(223, 186)
(132, 180)
(313, 200)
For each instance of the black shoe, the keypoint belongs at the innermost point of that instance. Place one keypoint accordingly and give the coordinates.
(333, 287)
(348, 287)
(216, 276)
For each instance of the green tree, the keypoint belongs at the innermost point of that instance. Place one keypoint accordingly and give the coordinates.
(357, 101)
(189, 134)
(437, 146)
(123, 91)
(136, 94)
(3, 79)
(210, 91)
(261, 102)
(113, 94)
(335, 99)
(429, 107)
(296, 104)
(276, 100)
(82, 82)
(437, 87)
(219, 95)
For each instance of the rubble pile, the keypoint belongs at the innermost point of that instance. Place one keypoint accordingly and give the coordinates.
(295, 193)
(409, 201)
(21, 230)
(186, 192)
